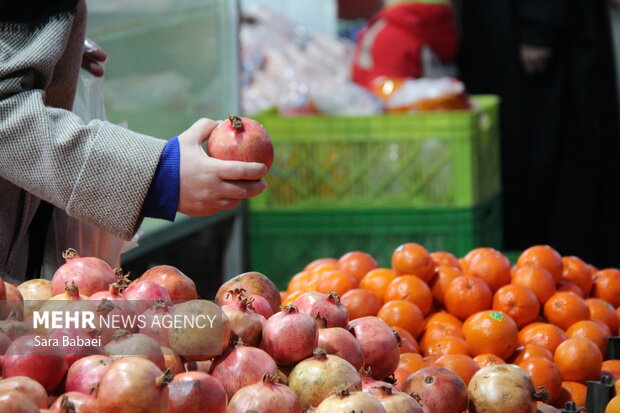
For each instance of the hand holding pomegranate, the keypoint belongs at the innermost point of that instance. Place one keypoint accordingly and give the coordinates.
(208, 184)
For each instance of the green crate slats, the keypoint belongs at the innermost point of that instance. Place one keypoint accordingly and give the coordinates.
(428, 159)
(283, 242)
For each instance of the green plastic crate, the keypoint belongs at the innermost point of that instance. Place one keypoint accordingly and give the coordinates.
(283, 242)
(427, 159)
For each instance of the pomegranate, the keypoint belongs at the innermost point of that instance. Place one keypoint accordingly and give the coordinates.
(91, 274)
(86, 373)
(327, 306)
(345, 401)
(254, 283)
(437, 389)
(32, 389)
(16, 402)
(241, 139)
(74, 402)
(246, 325)
(179, 286)
(133, 384)
(368, 382)
(128, 344)
(504, 388)
(203, 366)
(34, 292)
(142, 295)
(545, 408)
(113, 293)
(290, 336)
(37, 358)
(173, 361)
(5, 342)
(314, 379)
(156, 319)
(14, 302)
(197, 339)
(107, 318)
(76, 343)
(379, 344)
(266, 396)
(260, 305)
(395, 401)
(242, 366)
(14, 328)
(195, 392)
(340, 342)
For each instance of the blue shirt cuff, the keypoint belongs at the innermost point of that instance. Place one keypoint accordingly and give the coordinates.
(162, 200)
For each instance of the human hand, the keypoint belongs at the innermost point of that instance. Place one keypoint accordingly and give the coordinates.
(534, 58)
(92, 58)
(209, 185)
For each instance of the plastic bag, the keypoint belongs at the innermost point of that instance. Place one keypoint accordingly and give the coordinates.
(69, 232)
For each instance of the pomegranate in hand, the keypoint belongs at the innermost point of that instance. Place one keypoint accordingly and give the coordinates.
(241, 139)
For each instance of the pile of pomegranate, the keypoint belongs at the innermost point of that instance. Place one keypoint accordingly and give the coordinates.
(304, 357)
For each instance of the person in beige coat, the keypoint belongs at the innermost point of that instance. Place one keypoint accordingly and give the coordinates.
(98, 172)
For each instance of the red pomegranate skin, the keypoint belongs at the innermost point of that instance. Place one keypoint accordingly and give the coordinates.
(131, 385)
(142, 294)
(32, 389)
(91, 274)
(290, 336)
(179, 286)
(77, 352)
(85, 374)
(254, 283)
(241, 139)
(156, 330)
(246, 325)
(379, 345)
(242, 366)
(327, 306)
(265, 397)
(16, 402)
(341, 343)
(196, 392)
(138, 345)
(437, 389)
(74, 402)
(40, 361)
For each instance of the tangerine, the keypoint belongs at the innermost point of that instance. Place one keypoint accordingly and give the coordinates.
(546, 257)
(440, 282)
(518, 302)
(413, 259)
(491, 332)
(607, 286)
(545, 335)
(463, 365)
(410, 288)
(377, 280)
(467, 295)
(404, 314)
(564, 309)
(601, 310)
(360, 303)
(537, 279)
(577, 271)
(357, 263)
(578, 359)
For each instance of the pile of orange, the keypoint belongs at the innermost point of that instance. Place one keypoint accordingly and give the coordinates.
(549, 314)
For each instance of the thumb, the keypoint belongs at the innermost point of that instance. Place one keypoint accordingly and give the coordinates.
(199, 132)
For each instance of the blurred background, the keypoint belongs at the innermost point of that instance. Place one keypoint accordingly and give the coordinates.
(450, 124)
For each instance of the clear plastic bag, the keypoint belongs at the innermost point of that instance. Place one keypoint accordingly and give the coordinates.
(69, 232)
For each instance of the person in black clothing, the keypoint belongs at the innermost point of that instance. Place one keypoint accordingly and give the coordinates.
(552, 64)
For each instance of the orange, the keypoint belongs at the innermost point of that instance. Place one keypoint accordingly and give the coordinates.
(537, 279)
(546, 257)
(337, 281)
(377, 280)
(440, 282)
(607, 286)
(518, 302)
(410, 288)
(601, 310)
(569, 287)
(360, 303)
(408, 343)
(492, 267)
(412, 361)
(445, 259)
(576, 391)
(545, 335)
(611, 368)
(400, 376)
(578, 359)
(443, 318)
(488, 359)
(475, 253)
(438, 331)
(529, 351)
(446, 345)
(544, 374)
(413, 259)
(598, 333)
(311, 266)
(283, 295)
(613, 406)
(464, 366)
(565, 309)
(403, 313)
(291, 297)
(467, 295)
(357, 263)
(298, 281)
(491, 332)
(577, 271)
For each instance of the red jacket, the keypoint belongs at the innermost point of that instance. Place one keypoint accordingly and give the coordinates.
(408, 40)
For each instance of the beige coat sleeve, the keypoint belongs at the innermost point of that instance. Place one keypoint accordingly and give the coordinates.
(98, 172)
